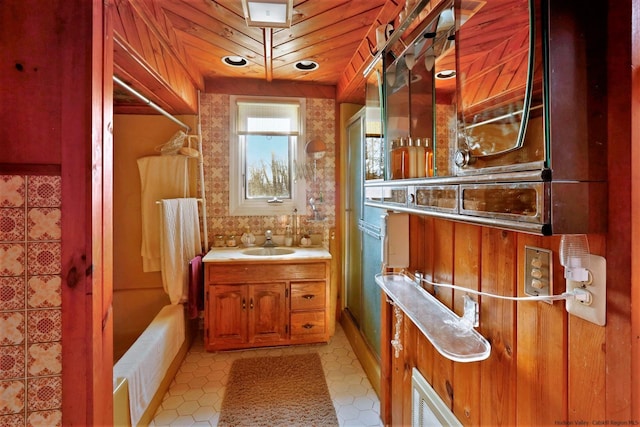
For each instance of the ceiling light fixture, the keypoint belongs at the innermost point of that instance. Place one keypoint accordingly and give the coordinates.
(306, 65)
(429, 59)
(446, 74)
(268, 13)
(235, 61)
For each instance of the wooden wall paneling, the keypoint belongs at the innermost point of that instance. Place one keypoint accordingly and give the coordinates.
(416, 246)
(386, 359)
(587, 375)
(424, 359)
(165, 64)
(587, 359)
(153, 16)
(126, 24)
(466, 267)
(428, 246)
(623, 278)
(397, 372)
(619, 15)
(443, 254)
(145, 60)
(497, 323)
(542, 353)
(145, 35)
(443, 239)
(410, 341)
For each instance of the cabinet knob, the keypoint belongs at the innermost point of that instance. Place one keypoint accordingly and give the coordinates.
(462, 158)
(308, 296)
(308, 325)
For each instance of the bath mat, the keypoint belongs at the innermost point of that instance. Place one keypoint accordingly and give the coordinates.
(277, 391)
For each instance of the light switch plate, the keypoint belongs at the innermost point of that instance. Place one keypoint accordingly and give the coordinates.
(538, 272)
(596, 312)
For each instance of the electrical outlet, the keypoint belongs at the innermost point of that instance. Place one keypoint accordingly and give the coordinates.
(538, 272)
(595, 310)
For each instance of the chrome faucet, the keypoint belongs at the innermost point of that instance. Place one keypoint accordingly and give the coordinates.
(268, 242)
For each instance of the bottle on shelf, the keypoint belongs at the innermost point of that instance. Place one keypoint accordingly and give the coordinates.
(413, 159)
(399, 159)
(420, 158)
(429, 171)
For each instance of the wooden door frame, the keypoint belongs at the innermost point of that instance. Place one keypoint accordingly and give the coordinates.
(87, 200)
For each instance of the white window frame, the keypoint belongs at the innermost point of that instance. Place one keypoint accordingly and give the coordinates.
(238, 204)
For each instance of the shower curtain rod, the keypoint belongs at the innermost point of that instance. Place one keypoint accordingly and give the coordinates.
(151, 103)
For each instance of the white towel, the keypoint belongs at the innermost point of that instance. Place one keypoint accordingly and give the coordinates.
(161, 177)
(179, 243)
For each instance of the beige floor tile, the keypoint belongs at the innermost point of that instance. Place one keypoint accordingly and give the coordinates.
(195, 396)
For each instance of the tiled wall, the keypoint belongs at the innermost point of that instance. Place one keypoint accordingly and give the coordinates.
(30, 301)
(320, 123)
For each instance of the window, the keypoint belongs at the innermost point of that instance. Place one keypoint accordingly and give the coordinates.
(265, 147)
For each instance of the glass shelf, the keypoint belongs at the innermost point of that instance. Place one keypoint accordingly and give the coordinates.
(435, 320)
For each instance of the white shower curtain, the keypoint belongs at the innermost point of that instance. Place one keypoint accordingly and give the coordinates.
(179, 243)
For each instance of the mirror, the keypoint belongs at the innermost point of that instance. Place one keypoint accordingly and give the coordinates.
(374, 129)
(411, 92)
(499, 79)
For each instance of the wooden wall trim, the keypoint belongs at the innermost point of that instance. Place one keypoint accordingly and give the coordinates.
(635, 194)
(622, 52)
(233, 86)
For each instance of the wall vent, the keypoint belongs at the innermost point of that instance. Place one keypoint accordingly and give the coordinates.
(427, 408)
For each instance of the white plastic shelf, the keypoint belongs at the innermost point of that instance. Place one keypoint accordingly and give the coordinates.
(435, 320)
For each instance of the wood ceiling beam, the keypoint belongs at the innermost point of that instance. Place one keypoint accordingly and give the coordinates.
(268, 53)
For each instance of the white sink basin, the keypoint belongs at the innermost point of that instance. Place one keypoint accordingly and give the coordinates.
(268, 251)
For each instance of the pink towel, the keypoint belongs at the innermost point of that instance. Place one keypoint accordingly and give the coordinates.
(196, 287)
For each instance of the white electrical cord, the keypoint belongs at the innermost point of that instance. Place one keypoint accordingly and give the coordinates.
(577, 293)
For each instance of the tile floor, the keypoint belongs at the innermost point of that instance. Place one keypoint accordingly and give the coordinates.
(195, 395)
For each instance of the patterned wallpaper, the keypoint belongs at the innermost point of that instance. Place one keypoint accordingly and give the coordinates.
(30, 301)
(320, 123)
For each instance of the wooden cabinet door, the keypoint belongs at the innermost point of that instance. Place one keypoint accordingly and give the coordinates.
(227, 323)
(268, 313)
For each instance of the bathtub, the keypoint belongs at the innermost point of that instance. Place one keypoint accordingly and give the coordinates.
(142, 375)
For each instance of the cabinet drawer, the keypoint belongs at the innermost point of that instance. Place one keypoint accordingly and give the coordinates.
(308, 296)
(247, 272)
(307, 323)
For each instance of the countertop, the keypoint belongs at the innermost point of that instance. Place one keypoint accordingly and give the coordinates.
(237, 254)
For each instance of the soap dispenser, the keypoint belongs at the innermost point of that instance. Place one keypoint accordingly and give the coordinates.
(248, 239)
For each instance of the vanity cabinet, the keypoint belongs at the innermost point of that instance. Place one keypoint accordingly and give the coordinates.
(257, 304)
(308, 302)
(247, 315)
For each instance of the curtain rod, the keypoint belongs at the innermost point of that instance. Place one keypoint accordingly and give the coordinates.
(151, 103)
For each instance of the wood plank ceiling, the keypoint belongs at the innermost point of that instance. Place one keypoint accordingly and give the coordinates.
(190, 37)
(170, 49)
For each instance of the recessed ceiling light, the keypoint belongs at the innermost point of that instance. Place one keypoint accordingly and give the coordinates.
(235, 61)
(306, 65)
(446, 74)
